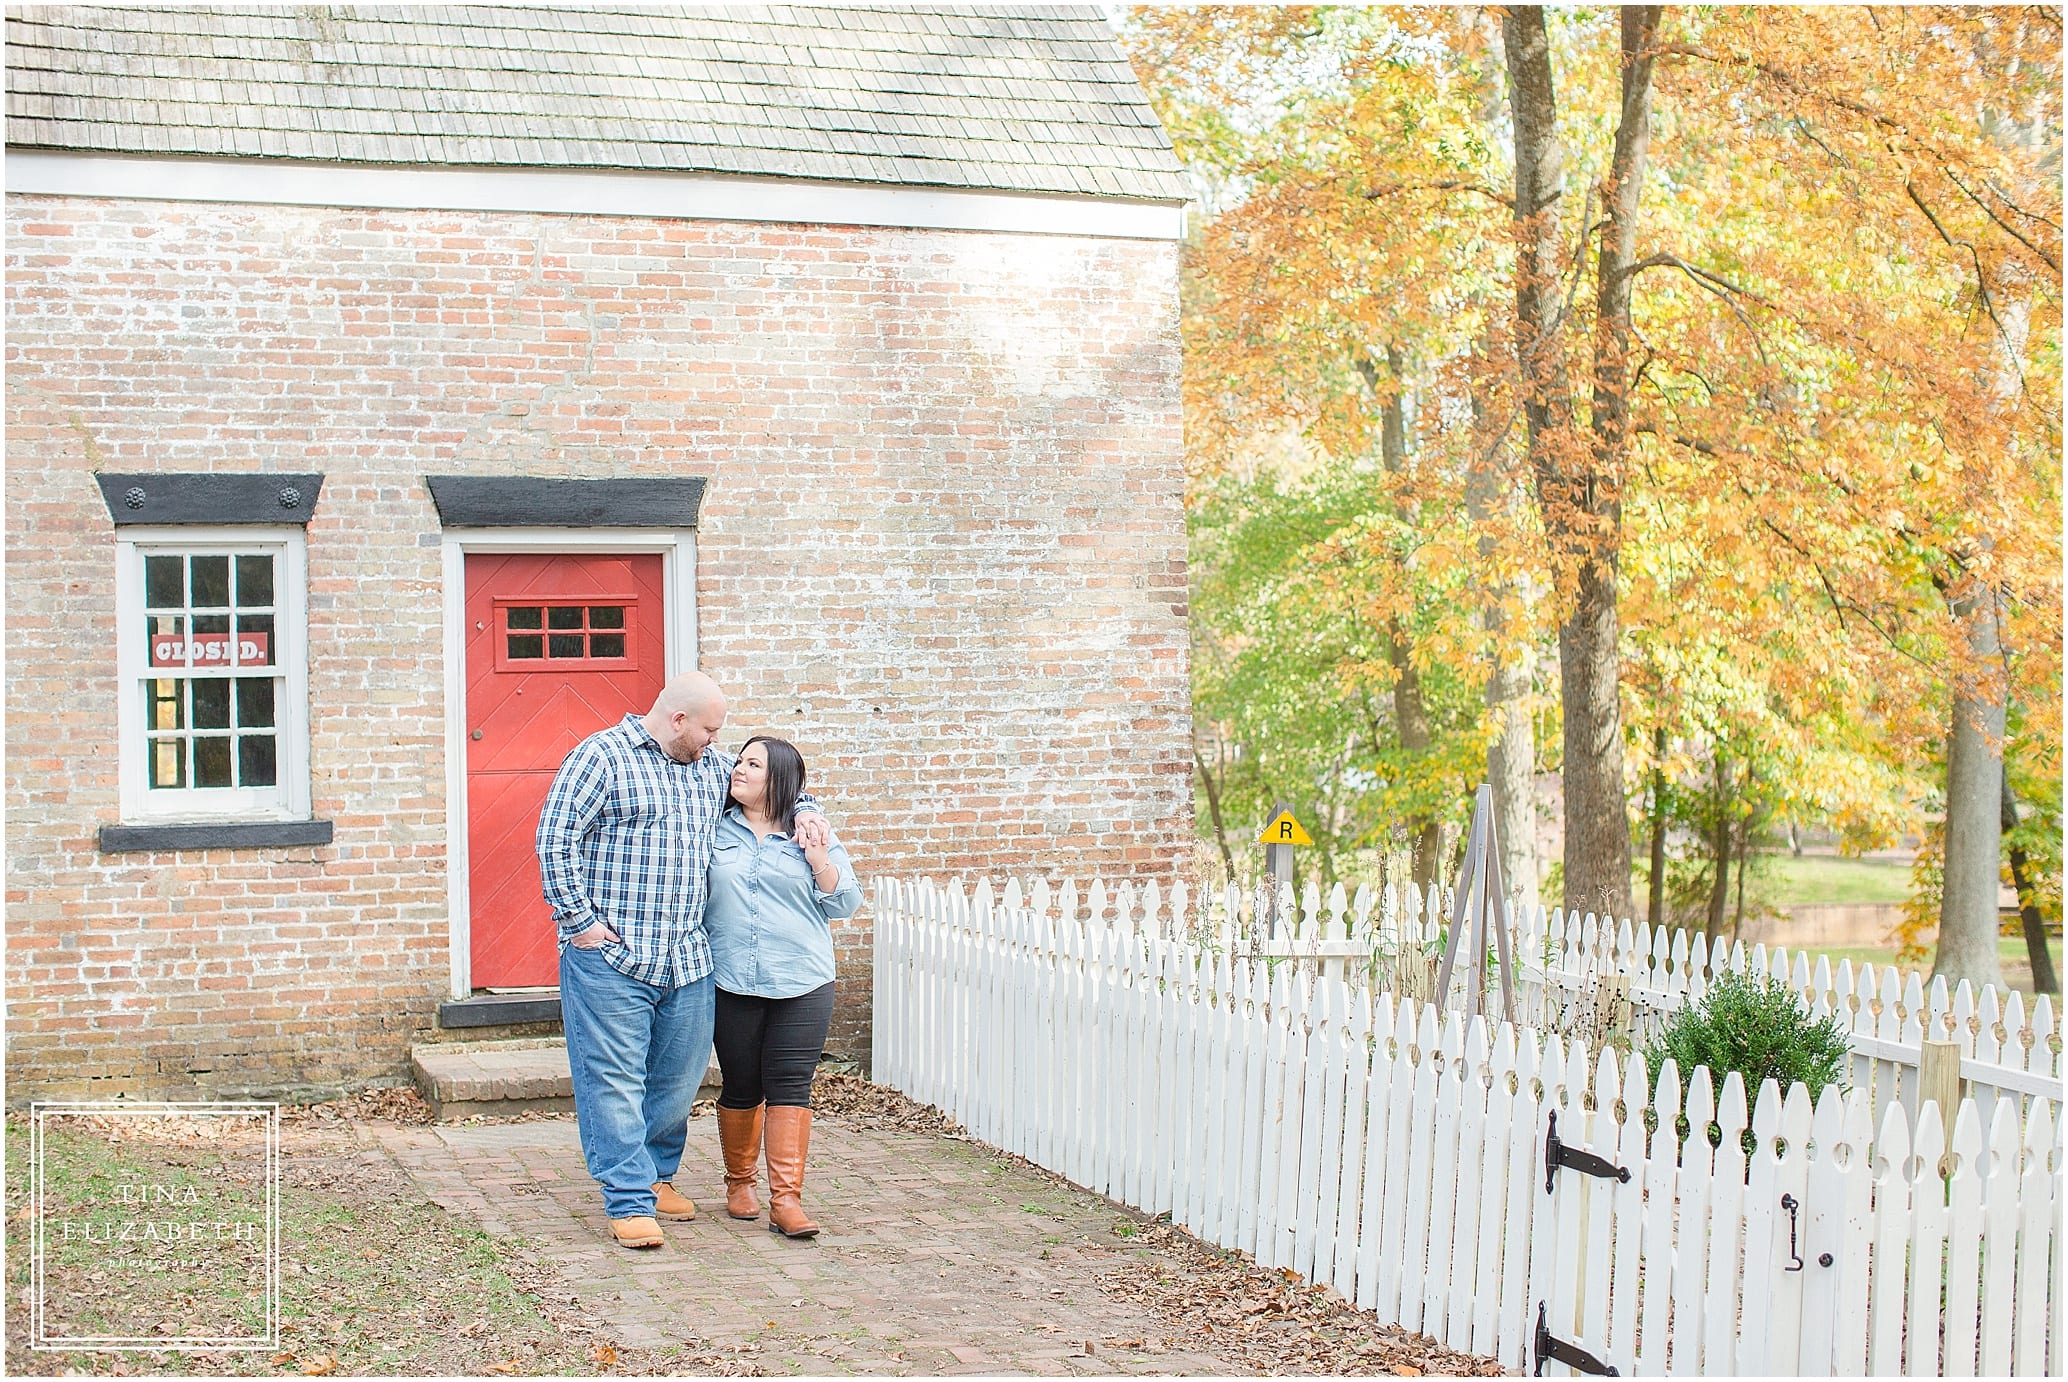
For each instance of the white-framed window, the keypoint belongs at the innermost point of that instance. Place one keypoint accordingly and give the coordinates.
(212, 640)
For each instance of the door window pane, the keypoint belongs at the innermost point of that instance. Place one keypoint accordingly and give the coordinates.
(526, 617)
(564, 645)
(564, 617)
(606, 616)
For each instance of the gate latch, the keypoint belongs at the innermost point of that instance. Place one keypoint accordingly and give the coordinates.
(1557, 1154)
(1559, 1351)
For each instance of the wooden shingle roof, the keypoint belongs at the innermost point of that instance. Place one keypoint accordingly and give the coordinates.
(1029, 99)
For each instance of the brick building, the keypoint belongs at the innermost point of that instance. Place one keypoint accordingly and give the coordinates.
(394, 396)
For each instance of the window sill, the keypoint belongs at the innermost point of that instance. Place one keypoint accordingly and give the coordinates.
(127, 839)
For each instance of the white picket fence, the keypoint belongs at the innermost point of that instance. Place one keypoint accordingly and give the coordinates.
(1399, 1154)
(2009, 1048)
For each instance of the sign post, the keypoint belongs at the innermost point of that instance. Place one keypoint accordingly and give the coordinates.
(1278, 840)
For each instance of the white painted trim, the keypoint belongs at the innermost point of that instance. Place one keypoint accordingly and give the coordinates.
(677, 549)
(696, 196)
(288, 800)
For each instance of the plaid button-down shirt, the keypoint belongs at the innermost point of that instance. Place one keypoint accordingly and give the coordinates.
(625, 838)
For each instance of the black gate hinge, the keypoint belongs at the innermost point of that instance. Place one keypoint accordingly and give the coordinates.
(1557, 1154)
(1559, 1351)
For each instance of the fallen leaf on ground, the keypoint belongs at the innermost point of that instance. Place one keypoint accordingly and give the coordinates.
(507, 1366)
(604, 1356)
(322, 1365)
(283, 1360)
(1406, 1370)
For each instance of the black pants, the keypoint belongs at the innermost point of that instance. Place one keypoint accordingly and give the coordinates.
(769, 1047)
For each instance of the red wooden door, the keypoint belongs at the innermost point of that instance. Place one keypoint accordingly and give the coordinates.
(557, 648)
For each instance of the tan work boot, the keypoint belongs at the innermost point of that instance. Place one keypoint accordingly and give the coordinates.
(786, 1131)
(670, 1203)
(640, 1232)
(739, 1136)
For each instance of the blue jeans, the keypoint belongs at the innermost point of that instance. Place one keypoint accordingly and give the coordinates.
(638, 1053)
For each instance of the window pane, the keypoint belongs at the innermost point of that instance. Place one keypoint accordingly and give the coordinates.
(256, 765)
(606, 616)
(254, 581)
(606, 645)
(211, 640)
(527, 645)
(212, 762)
(168, 762)
(168, 643)
(164, 704)
(164, 584)
(254, 702)
(525, 617)
(211, 704)
(564, 645)
(564, 617)
(255, 640)
(211, 581)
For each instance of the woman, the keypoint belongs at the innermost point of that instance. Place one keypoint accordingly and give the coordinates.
(771, 906)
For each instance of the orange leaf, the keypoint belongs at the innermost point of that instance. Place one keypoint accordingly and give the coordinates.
(507, 1366)
(322, 1365)
(1406, 1370)
(283, 1360)
(604, 1356)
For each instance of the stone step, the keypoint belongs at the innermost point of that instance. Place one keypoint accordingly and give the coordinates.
(462, 1078)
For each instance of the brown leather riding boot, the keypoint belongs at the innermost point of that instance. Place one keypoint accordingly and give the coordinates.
(787, 1134)
(739, 1137)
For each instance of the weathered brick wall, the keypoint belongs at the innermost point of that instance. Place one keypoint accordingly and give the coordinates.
(941, 549)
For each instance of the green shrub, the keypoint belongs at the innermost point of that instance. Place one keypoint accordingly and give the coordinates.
(1758, 1027)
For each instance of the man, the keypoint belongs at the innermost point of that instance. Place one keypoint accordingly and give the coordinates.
(624, 842)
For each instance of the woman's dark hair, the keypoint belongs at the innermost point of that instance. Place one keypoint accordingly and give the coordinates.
(785, 780)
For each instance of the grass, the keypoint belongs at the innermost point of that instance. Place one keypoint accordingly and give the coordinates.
(2010, 951)
(1822, 879)
(373, 1278)
(1780, 879)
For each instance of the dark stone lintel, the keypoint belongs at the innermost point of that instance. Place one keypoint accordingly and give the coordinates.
(512, 501)
(210, 499)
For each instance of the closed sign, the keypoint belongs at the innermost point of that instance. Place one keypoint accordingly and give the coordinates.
(209, 650)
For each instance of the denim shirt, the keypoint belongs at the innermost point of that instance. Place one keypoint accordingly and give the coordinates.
(770, 926)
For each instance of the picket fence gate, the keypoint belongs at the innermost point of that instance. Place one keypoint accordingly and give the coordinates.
(1401, 1155)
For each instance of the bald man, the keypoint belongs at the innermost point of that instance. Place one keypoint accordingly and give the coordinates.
(624, 843)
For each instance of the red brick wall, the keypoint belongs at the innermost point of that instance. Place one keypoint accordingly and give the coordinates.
(942, 549)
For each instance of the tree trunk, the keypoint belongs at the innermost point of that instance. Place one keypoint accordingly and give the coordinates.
(1974, 802)
(1579, 488)
(1511, 747)
(1410, 713)
(1213, 806)
(1655, 902)
(1720, 848)
(2044, 980)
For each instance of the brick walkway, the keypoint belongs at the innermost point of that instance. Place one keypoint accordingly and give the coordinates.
(937, 1257)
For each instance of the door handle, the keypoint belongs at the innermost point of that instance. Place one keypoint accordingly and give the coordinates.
(475, 735)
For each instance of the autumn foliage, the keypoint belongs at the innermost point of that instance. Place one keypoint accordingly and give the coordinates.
(1843, 431)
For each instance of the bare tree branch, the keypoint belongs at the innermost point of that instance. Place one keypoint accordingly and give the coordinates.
(1990, 212)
